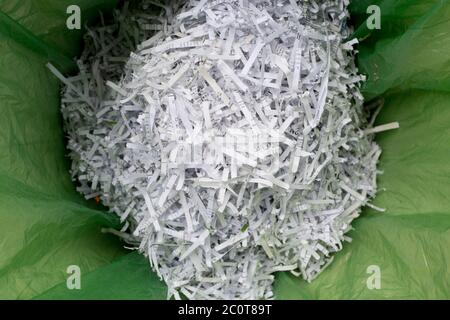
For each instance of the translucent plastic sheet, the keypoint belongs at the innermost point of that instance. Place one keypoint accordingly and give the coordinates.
(45, 226)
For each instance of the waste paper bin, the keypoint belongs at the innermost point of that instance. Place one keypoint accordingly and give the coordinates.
(50, 234)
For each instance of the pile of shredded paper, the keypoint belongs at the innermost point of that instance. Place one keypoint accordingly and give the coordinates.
(232, 142)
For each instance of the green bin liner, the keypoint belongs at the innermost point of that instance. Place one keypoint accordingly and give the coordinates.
(45, 226)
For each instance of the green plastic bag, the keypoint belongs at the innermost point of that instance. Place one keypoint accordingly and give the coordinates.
(45, 226)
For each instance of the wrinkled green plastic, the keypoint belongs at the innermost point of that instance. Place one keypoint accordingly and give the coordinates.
(45, 226)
